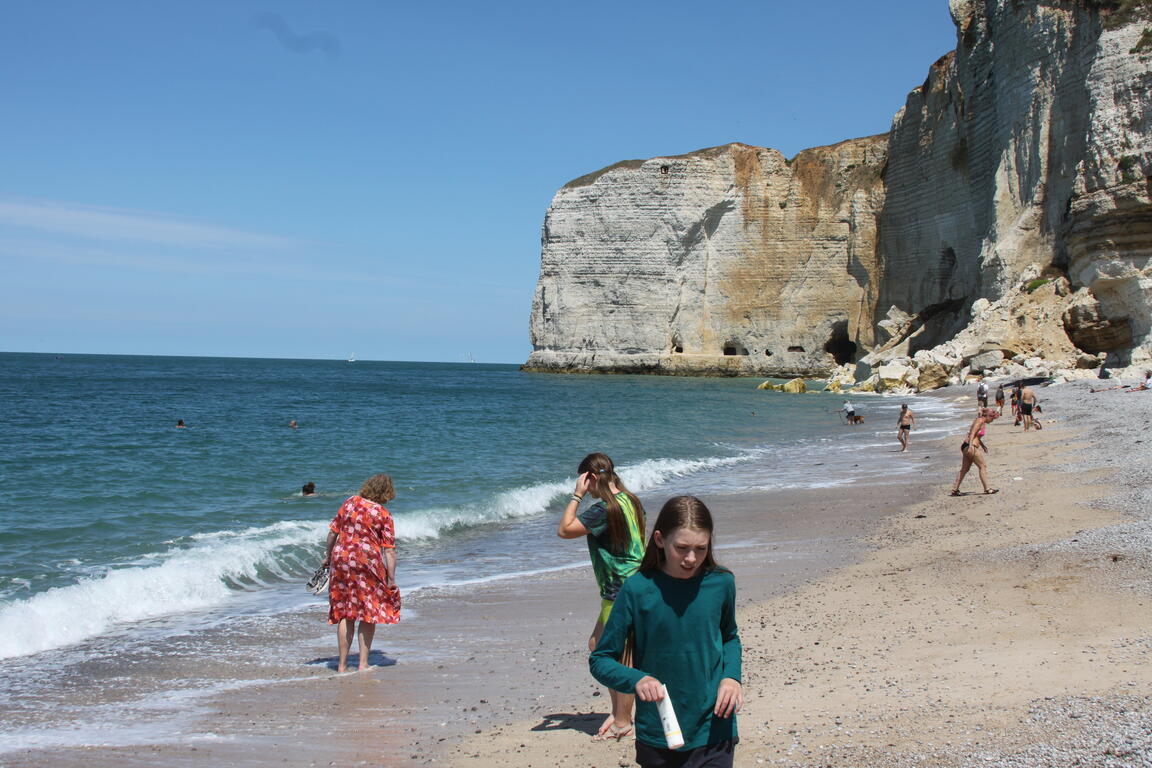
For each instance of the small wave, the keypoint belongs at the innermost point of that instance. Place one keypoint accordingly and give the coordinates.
(202, 570)
(534, 499)
(184, 580)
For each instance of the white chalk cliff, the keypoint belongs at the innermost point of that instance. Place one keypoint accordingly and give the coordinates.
(1006, 217)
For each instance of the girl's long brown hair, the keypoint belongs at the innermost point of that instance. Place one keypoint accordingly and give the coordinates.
(604, 476)
(679, 512)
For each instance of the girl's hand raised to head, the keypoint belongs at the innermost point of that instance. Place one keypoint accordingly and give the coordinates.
(583, 482)
(729, 697)
(649, 688)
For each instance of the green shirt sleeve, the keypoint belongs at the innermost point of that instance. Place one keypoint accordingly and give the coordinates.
(729, 635)
(605, 659)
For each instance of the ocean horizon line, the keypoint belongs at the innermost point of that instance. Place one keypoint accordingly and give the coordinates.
(252, 357)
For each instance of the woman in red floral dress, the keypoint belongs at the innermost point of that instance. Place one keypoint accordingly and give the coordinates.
(362, 556)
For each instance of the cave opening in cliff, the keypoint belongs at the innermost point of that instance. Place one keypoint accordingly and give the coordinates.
(842, 348)
(735, 348)
(677, 345)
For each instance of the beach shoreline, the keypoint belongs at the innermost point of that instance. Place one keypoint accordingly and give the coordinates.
(831, 677)
(1009, 630)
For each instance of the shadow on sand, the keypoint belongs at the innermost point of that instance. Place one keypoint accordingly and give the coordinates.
(375, 659)
(567, 721)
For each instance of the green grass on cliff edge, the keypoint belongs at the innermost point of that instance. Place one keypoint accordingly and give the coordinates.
(1144, 43)
(1117, 13)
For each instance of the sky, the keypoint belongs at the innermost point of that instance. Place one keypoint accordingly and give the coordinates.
(322, 178)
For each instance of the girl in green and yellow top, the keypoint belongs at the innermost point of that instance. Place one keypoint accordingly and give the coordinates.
(678, 614)
(614, 526)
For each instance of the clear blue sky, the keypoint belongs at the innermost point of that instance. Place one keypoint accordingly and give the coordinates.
(305, 178)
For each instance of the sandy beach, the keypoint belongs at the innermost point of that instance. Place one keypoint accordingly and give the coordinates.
(1007, 630)
(882, 625)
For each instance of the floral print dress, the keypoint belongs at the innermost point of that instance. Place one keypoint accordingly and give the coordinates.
(357, 589)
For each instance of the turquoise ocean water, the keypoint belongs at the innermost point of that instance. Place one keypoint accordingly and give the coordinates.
(115, 525)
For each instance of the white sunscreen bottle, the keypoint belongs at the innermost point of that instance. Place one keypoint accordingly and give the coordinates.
(668, 719)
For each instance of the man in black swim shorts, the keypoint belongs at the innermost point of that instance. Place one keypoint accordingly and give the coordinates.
(1027, 402)
(904, 425)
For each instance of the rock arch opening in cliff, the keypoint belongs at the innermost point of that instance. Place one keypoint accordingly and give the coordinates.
(842, 348)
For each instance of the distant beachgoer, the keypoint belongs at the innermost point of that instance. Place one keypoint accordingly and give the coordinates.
(1000, 400)
(982, 394)
(1146, 385)
(850, 413)
(904, 424)
(678, 617)
(292, 424)
(361, 551)
(614, 527)
(309, 489)
(972, 450)
(1016, 403)
(180, 424)
(1027, 403)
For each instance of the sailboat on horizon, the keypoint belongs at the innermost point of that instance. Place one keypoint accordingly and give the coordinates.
(352, 358)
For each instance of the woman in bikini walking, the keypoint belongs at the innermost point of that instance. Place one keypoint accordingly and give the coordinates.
(972, 451)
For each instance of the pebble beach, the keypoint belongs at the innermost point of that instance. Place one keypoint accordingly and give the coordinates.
(1006, 630)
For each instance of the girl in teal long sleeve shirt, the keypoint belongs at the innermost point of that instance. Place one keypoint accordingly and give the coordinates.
(680, 612)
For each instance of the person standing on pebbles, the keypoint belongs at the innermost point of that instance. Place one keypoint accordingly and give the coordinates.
(614, 527)
(972, 450)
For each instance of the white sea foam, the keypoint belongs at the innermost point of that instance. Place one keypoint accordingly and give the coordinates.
(534, 499)
(184, 579)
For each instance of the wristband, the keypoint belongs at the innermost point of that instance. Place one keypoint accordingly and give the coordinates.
(577, 499)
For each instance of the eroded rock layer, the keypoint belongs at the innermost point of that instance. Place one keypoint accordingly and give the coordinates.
(1023, 161)
(727, 260)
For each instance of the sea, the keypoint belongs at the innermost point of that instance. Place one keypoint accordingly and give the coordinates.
(123, 536)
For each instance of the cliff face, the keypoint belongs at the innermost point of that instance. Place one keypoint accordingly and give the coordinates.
(1025, 156)
(1010, 160)
(729, 260)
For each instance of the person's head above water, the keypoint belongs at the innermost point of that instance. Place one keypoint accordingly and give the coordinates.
(309, 489)
(681, 541)
(602, 479)
(378, 488)
(179, 422)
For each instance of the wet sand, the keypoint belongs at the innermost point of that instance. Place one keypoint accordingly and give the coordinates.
(882, 625)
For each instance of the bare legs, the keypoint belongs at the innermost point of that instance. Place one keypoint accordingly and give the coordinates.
(344, 630)
(972, 456)
(344, 642)
(619, 723)
(903, 437)
(368, 631)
